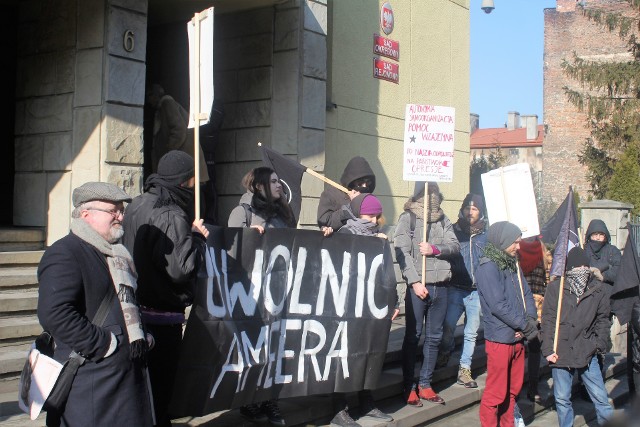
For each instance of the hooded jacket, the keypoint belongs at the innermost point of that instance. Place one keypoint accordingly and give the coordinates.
(584, 323)
(602, 255)
(465, 263)
(332, 199)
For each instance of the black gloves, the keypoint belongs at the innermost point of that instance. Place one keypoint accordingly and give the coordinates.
(530, 330)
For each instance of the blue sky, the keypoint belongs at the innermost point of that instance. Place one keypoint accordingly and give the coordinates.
(506, 59)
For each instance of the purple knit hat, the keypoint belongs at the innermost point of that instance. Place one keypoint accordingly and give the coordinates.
(370, 205)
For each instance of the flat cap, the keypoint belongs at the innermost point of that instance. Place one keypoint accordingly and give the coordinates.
(104, 191)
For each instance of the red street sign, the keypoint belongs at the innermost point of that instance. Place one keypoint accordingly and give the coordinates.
(386, 70)
(386, 47)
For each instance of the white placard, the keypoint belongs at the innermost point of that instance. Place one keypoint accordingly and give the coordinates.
(201, 67)
(508, 193)
(428, 143)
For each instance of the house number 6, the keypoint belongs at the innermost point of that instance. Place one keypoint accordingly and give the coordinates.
(128, 41)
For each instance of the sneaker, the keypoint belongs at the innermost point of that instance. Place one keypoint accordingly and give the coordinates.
(253, 412)
(465, 379)
(442, 360)
(271, 409)
(378, 415)
(343, 419)
(430, 395)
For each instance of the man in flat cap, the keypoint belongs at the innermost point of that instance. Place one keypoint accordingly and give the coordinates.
(168, 247)
(509, 315)
(79, 275)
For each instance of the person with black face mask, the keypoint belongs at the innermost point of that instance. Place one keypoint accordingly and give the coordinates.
(358, 177)
(602, 254)
(168, 247)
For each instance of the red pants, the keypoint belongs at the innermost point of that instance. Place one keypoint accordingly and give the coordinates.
(505, 373)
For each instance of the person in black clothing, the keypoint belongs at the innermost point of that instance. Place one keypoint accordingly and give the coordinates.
(602, 254)
(168, 247)
(358, 177)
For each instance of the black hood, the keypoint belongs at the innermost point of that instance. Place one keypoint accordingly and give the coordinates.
(595, 226)
(357, 168)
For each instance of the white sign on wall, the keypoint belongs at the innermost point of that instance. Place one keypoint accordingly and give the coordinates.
(509, 196)
(428, 143)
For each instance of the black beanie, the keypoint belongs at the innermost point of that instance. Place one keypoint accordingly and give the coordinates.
(176, 167)
(577, 257)
(474, 200)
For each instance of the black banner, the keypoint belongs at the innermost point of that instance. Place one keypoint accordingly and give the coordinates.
(288, 313)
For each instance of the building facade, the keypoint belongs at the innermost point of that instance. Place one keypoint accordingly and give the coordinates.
(296, 75)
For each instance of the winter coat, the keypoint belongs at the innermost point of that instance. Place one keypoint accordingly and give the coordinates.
(584, 324)
(605, 258)
(167, 254)
(406, 243)
(170, 132)
(74, 278)
(464, 264)
(503, 312)
(332, 199)
(238, 216)
(635, 344)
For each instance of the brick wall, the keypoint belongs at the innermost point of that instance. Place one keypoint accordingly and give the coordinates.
(566, 31)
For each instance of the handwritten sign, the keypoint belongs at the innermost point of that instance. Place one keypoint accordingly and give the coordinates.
(386, 47)
(428, 143)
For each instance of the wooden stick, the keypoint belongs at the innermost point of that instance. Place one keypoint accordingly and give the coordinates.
(327, 180)
(524, 304)
(425, 207)
(580, 238)
(196, 128)
(558, 313)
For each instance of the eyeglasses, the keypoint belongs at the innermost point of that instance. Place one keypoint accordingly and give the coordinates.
(113, 212)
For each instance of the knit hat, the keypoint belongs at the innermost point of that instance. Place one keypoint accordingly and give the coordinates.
(473, 200)
(502, 234)
(103, 191)
(577, 257)
(370, 205)
(176, 167)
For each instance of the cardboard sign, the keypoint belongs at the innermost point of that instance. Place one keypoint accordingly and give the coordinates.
(428, 143)
(508, 192)
(200, 31)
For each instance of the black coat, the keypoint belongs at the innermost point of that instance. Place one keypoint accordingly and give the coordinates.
(635, 344)
(74, 278)
(604, 256)
(584, 324)
(167, 254)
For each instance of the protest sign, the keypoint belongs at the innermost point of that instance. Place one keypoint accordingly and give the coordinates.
(428, 143)
(509, 196)
(283, 314)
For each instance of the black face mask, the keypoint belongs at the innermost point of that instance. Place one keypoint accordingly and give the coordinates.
(362, 189)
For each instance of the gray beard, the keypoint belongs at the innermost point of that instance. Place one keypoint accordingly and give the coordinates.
(115, 234)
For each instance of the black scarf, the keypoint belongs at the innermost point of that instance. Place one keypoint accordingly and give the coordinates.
(170, 194)
(594, 247)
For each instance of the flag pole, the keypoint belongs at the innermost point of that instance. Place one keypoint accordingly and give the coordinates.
(524, 304)
(558, 313)
(327, 180)
(425, 207)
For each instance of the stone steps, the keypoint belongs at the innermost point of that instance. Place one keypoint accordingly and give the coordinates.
(18, 277)
(21, 239)
(18, 300)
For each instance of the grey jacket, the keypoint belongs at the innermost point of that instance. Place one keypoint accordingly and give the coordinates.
(406, 244)
(238, 216)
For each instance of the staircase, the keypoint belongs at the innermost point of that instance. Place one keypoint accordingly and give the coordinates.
(20, 252)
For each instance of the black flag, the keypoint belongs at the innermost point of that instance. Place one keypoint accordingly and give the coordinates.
(290, 174)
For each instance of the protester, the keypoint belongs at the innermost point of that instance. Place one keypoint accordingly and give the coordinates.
(170, 131)
(168, 247)
(509, 315)
(75, 275)
(364, 218)
(424, 305)
(602, 254)
(534, 261)
(262, 206)
(584, 331)
(358, 177)
(463, 295)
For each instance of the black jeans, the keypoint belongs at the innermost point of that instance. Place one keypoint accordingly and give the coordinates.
(430, 311)
(163, 364)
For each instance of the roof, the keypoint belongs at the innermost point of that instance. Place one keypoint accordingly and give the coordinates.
(505, 138)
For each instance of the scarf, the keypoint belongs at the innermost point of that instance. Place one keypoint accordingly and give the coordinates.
(434, 214)
(594, 247)
(362, 227)
(123, 275)
(502, 260)
(170, 194)
(467, 228)
(577, 279)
